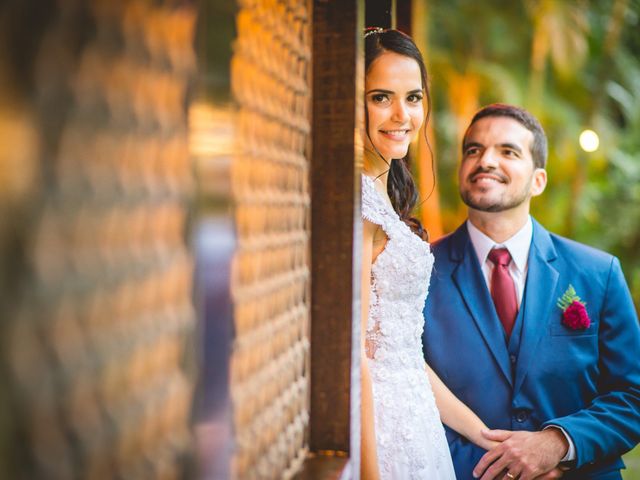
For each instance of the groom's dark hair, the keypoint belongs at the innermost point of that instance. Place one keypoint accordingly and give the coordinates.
(539, 149)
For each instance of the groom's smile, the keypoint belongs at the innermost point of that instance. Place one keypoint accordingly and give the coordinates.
(483, 176)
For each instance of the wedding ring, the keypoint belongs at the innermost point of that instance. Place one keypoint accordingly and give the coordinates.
(510, 476)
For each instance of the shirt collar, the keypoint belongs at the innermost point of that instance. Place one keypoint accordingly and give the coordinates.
(518, 245)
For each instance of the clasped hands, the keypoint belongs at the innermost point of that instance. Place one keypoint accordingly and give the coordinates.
(522, 455)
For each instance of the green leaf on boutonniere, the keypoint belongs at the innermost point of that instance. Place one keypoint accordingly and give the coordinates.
(568, 297)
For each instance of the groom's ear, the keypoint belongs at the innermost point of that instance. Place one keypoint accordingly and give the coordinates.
(539, 182)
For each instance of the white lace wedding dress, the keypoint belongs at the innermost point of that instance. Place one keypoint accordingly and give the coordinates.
(410, 439)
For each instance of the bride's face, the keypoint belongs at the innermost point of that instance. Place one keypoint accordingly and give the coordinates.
(393, 87)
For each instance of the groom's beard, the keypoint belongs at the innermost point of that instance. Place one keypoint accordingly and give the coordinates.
(506, 201)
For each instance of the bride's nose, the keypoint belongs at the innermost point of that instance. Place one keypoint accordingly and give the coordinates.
(400, 113)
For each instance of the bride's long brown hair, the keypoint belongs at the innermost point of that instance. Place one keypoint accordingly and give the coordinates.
(401, 187)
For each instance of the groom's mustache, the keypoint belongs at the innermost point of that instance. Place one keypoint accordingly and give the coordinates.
(488, 171)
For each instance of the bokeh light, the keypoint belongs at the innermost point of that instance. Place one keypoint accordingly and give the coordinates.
(589, 141)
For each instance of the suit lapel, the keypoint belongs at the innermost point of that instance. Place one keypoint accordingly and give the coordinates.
(542, 279)
(468, 278)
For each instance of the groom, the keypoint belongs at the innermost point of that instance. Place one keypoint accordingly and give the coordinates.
(537, 334)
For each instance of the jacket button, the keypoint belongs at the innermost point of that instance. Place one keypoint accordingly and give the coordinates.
(512, 358)
(521, 416)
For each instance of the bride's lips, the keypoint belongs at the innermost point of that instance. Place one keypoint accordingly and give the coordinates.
(397, 135)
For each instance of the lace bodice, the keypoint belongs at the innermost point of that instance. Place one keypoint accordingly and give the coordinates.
(399, 284)
(410, 439)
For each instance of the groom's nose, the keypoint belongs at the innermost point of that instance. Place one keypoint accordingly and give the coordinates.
(488, 159)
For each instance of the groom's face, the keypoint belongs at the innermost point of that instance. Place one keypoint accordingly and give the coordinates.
(497, 172)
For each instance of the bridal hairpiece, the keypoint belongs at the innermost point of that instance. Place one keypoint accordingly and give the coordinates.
(371, 30)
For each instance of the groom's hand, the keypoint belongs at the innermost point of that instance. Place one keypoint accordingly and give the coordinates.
(525, 455)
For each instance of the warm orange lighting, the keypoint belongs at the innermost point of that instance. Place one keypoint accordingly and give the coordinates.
(211, 130)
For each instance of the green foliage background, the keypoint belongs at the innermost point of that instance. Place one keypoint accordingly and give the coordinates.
(587, 76)
(575, 64)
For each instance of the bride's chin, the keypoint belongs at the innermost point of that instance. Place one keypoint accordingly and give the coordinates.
(396, 153)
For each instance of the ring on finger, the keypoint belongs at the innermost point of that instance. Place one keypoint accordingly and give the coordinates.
(511, 476)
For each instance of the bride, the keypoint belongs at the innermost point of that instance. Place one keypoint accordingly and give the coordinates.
(403, 401)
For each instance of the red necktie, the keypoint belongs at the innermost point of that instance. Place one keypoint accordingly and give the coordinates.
(503, 290)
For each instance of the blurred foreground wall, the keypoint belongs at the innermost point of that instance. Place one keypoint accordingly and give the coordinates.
(95, 278)
(271, 281)
(156, 223)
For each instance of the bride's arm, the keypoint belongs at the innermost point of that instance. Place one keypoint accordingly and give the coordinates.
(368, 456)
(456, 415)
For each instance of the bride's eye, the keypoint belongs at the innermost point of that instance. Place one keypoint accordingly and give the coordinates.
(414, 98)
(380, 98)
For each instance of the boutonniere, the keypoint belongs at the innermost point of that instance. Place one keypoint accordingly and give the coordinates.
(574, 313)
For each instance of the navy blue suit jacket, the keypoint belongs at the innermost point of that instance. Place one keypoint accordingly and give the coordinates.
(586, 381)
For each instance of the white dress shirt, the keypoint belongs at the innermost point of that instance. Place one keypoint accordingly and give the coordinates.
(518, 245)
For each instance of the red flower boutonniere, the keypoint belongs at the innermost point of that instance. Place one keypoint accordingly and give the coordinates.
(574, 314)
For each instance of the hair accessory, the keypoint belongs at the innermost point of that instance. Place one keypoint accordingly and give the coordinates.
(370, 30)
